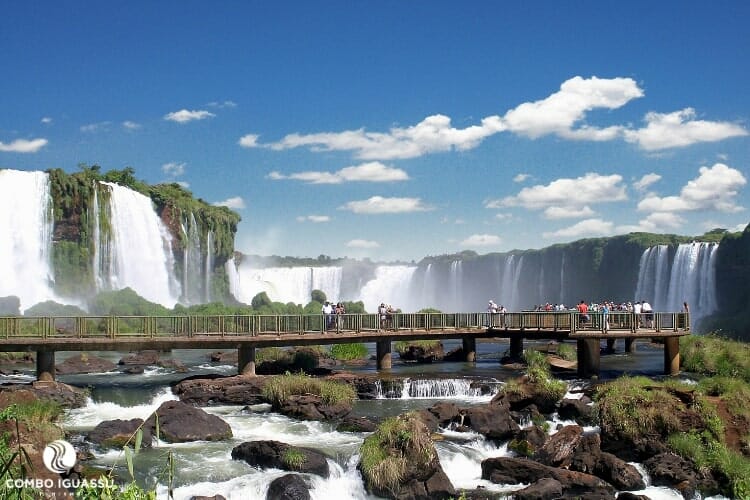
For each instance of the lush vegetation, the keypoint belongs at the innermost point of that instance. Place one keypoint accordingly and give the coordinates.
(539, 373)
(349, 352)
(714, 355)
(397, 444)
(402, 346)
(279, 388)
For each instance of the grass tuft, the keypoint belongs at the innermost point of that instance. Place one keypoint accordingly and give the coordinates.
(349, 352)
(279, 388)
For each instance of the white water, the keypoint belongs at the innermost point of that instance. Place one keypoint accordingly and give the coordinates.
(25, 236)
(191, 261)
(391, 285)
(691, 278)
(448, 388)
(208, 268)
(283, 284)
(141, 248)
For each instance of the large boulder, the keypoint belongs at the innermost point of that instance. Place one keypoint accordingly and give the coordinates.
(493, 421)
(84, 363)
(312, 407)
(180, 423)
(237, 390)
(142, 358)
(544, 489)
(673, 471)
(422, 353)
(115, 433)
(446, 413)
(579, 410)
(278, 455)
(524, 394)
(356, 424)
(507, 470)
(618, 473)
(558, 450)
(288, 487)
(64, 395)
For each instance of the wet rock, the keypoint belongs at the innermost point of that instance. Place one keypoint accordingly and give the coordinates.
(446, 413)
(202, 497)
(220, 390)
(455, 355)
(64, 395)
(673, 471)
(528, 441)
(558, 449)
(576, 409)
(626, 495)
(229, 357)
(492, 421)
(507, 470)
(312, 407)
(115, 433)
(356, 424)
(134, 370)
(423, 354)
(288, 487)
(618, 473)
(544, 489)
(84, 363)
(526, 394)
(278, 455)
(586, 454)
(142, 358)
(179, 423)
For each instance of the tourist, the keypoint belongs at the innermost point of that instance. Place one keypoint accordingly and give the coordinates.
(648, 313)
(339, 311)
(637, 314)
(583, 313)
(382, 315)
(685, 307)
(491, 310)
(328, 313)
(604, 309)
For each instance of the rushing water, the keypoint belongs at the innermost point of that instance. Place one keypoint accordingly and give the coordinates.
(206, 468)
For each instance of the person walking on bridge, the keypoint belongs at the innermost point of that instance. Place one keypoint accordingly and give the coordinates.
(583, 313)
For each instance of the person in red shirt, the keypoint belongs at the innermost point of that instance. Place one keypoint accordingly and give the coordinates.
(583, 311)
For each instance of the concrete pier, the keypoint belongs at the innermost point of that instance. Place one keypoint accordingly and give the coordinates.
(246, 360)
(671, 356)
(516, 347)
(383, 354)
(45, 366)
(470, 349)
(630, 345)
(588, 357)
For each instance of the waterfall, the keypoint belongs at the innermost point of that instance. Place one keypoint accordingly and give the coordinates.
(455, 285)
(561, 299)
(140, 248)
(209, 268)
(653, 277)
(391, 285)
(191, 262)
(447, 388)
(693, 279)
(26, 225)
(284, 284)
(509, 293)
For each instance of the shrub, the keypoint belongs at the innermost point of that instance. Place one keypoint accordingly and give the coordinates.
(402, 346)
(279, 388)
(348, 352)
(566, 352)
(293, 458)
(714, 355)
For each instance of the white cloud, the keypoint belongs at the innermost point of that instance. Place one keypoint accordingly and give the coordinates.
(587, 227)
(481, 240)
(521, 177)
(656, 222)
(739, 227)
(46, 120)
(249, 141)
(184, 116)
(313, 218)
(184, 184)
(561, 111)
(131, 125)
(222, 105)
(646, 181)
(235, 202)
(95, 127)
(567, 193)
(679, 129)
(173, 169)
(715, 188)
(504, 216)
(380, 205)
(555, 212)
(362, 244)
(367, 172)
(23, 146)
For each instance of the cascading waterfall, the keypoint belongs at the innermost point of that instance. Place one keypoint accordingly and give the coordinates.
(191, 261)
(691, 278)
(140, 250)
(284, 284)
(653, 277)
(208, 270)
(26, 225)
(456, 284)
(391, 285)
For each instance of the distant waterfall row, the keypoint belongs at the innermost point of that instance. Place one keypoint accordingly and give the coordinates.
(131, 245)
(687, 276)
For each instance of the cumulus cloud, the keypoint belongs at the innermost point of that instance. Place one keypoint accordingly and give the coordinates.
(654, 223)
(367, 172)
(587, 227)
(362, 244)
(555, 212)
(46, 120)
(561, 111)
(679, 129)
(23, 146)
(313, 218)
(222, 104)
(715, 188)
(481, 240)
(184, 115)
(381, 205)
(521, 177)
(235, 202)
(173, 169)
(646, 181)
(249, 141)
(565, 195)
(127, 124)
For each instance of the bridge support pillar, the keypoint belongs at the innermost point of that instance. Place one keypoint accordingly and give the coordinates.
(246, 360)
(588, 357)
(470, 349)
(611, 345)
(671, 355)
(630, 345)
(516, 347)
(383, 354)
(45, 366)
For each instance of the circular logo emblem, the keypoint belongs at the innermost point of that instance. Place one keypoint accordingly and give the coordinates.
(59, 456)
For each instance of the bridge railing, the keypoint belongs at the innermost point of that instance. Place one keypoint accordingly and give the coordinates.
(62, 327)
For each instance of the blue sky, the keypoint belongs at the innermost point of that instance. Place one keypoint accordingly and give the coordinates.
(396, 130)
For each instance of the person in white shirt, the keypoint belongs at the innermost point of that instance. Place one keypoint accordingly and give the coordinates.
(637, 313)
